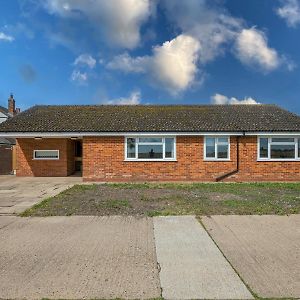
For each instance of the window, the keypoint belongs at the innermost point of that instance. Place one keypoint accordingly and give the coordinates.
(46, 154)
(278, 148)
(216, 148)
(150, 148)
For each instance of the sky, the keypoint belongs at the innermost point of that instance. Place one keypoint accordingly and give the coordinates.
(150, 52)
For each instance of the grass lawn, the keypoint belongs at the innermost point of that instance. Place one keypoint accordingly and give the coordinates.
(172, 199)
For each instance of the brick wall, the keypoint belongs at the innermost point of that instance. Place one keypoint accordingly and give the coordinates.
(103, 160)
(27, 166)
(253, 170)
(5, 159)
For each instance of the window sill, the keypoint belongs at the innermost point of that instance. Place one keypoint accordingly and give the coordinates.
(45, 159)
(149, 160)
(279, 160)
(216, 159)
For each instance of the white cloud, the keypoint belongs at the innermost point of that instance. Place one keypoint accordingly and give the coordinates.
(219, 99)
(216, 30)
(6, 38)
(119, 20)
(252, 49)
(85, 59)
(133, 99)
(124, 62)
(212, 25)
(173, 65)
(79, 77)
(248, 100)
(290, 12)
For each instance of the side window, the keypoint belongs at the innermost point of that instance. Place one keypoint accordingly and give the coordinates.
(278, 148)
(216, 148)
(46, 154)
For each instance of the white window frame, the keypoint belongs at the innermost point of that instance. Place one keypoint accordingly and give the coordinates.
(46, 158)
(296, 141)
(147, 143)
(216, 147)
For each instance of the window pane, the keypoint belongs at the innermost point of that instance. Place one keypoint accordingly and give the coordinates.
(299, 148)
(210, 147)
(130, 148)
(223, 140)
(169, 148)
(44, 154)
(263, 148)
(150, 140)
(222, 151)
(282, 140)
(150, 151)
(282, 151)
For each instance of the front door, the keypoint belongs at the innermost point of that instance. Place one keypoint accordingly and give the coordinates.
(78, 156)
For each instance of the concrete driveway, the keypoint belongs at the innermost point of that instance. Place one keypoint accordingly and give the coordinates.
(19, 193)
(265, 251)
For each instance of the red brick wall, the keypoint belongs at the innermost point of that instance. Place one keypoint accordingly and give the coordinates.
(5, 159)
(27, 166)
(103, 160)
(253, 170)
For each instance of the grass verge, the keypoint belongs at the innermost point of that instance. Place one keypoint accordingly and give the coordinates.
(151, 199)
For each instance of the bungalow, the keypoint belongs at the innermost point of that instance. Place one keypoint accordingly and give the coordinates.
(158, 143)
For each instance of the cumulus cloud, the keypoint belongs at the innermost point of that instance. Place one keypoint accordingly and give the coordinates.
(124, 62)
(252, 49)
(208, 31)
(5, 37)
(290, 12)
(133, 99)
(119, 20)
(172, 65)
(217, 30)
(219, 99)
(85, 60)
(28, 73)
(210, 24)
(79, 77)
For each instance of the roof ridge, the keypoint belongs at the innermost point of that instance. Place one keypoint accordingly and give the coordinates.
(153, 105)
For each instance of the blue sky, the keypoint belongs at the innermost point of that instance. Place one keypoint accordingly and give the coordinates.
(150, 52)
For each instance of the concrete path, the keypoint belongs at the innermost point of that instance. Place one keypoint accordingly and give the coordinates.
(265, 250)
(19, 193)
(78, 257)
(192, 267)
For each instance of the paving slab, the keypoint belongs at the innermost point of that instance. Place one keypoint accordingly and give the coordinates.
(6, 220)
(192, 267)
(265, 251)
(78, 258)
(19, 193)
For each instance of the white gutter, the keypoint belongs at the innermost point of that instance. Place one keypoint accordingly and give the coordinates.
(270, 133)
(82, 134)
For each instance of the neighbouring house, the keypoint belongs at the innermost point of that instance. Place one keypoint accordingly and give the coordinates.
(7, 145)
(158, 143)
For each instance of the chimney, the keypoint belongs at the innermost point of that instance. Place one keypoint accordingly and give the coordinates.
(12, 106)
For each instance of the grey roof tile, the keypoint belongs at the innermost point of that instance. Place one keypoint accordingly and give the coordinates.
(150, 118)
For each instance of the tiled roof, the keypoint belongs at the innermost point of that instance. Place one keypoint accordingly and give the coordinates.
(150, 118)
(4, 110)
